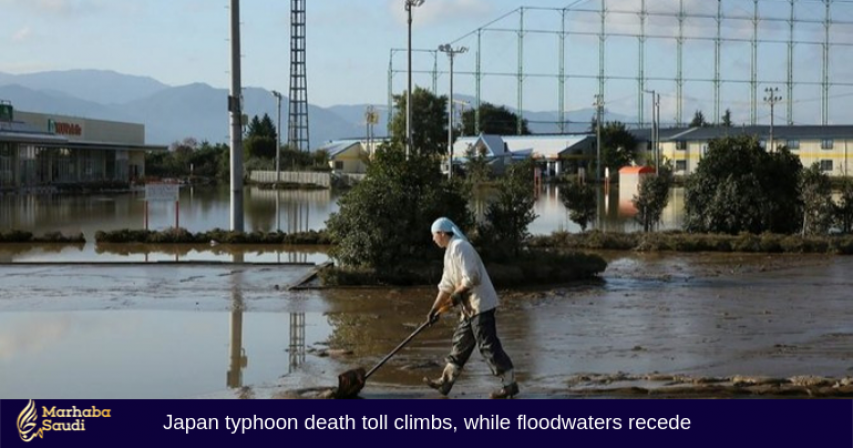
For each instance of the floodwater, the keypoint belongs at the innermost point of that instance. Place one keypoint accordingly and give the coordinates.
(234, 330)
(265, 210)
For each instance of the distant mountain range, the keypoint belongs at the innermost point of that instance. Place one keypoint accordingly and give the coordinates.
(198, 110)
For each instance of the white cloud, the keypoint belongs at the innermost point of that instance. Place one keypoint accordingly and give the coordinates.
(22, 34)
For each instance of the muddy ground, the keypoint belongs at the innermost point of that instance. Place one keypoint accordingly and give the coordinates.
(655, 325)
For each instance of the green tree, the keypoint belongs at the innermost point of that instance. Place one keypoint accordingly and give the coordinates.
(261, 138)
(844, 209)
(260, 146)
(477, 170)
(618, 146)
(205, 161)
(320, 159)
(698, 120)
(509, 215)
(173, 163)
(818, 208)
(727, 119)
(739, 187)
(497, 120)
(263, 127)
(580, 200)
(429, 122)
(652, 198)
(384, 220)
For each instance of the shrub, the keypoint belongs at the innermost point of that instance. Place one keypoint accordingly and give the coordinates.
(385, 219)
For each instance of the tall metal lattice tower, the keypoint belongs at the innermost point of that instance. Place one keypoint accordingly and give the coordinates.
(297, 129)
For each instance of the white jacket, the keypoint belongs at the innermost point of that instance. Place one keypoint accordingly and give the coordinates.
(463, 266)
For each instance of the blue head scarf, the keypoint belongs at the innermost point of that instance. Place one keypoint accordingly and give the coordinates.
(446, 225)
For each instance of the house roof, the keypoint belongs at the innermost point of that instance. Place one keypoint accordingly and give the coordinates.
(460, 146)
(519, 146)
(494, 143)
(645, 134)
(337, 147)
(806, 132)
(781, 132)
(548, 146)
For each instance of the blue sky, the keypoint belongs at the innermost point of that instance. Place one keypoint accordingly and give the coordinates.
(349, 42)
(184, 41)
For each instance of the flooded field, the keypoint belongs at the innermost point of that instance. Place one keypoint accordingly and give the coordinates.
(234, 330)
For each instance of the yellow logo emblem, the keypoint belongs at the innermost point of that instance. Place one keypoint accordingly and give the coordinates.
(27, 423)
(28, 419)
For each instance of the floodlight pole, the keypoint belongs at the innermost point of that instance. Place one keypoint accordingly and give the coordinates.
(451, 53)
(599, 105)
(771, 98)
(654, 130)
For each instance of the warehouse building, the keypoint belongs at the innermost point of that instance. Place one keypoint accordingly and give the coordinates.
(45, 152)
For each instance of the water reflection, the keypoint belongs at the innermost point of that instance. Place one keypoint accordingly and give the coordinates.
(239, 359)
(200, 209)
(616, 211)
(266, 210)
(296, 348)
(290, 210)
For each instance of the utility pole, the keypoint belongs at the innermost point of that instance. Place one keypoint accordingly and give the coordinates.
(658, 160)
(278, 97)
(235, 108)
(451, 53)
(599, 106)
(772, 98)
(409, 5)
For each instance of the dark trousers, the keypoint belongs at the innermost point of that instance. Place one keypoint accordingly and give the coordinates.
(479, 331)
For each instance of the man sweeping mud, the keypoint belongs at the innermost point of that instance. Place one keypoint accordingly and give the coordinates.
(466, 282)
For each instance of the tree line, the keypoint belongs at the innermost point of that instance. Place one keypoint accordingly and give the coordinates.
(210, 163)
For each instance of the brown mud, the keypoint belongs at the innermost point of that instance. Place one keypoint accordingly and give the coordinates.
(655, 325)
(709, 325)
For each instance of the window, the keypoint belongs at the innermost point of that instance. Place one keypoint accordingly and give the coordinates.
(339, 165)
(826, 143)
(680, 165)
(793, 144)
(826, 165)
(681, 145)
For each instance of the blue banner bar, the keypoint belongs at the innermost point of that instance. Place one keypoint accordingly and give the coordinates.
(429, 423)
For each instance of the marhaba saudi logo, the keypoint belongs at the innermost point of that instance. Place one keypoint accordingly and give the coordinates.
(71, 420)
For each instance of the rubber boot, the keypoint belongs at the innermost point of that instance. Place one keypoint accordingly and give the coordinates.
(445, 383)
(509, 388)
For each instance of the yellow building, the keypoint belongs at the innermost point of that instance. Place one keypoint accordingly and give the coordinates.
(347, 156)
(829, 146)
